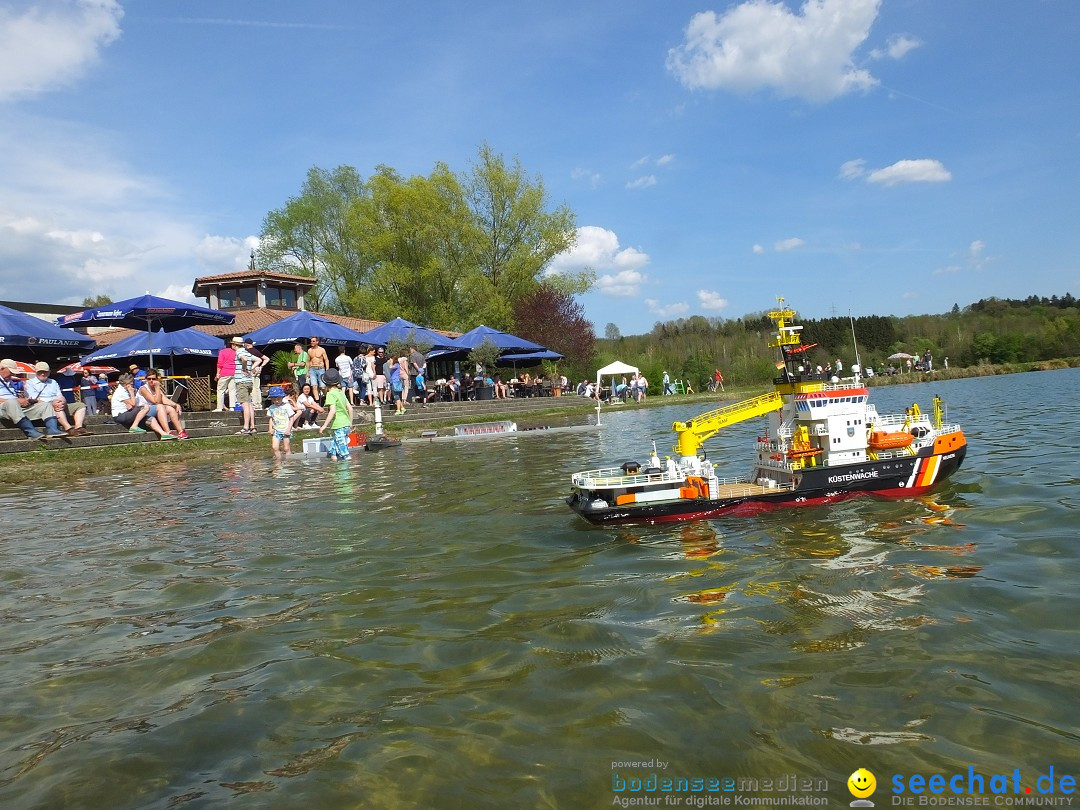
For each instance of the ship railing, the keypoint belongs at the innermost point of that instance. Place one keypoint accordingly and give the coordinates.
(615, 477)
(780, 466)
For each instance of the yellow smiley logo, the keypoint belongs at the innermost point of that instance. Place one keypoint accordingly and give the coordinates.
(861, 783)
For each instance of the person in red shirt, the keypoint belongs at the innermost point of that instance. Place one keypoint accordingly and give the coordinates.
(226, 367)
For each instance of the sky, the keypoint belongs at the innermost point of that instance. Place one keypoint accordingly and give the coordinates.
(887, 157)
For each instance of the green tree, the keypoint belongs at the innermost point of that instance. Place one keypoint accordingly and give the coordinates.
(520, 232)
(420, 236)
(611, 332)
(96, 300)
(311, 236)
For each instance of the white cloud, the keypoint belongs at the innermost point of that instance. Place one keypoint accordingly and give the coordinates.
(225, 254)
(618, 269)
(624, 284)
(973, 260)
(642, 182)
(52, 44)
(758, 249)
(897, 47)
(637, 164)
(664, 160)
(853, 169)
(677, 308)
(588, 175)
(788, 244)
(710, 300)
(762, 44)
(911, 171)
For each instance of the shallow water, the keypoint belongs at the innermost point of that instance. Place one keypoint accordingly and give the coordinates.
(431, 627)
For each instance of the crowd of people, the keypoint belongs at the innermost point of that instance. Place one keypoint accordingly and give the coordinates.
(137, 402)
(323, 392)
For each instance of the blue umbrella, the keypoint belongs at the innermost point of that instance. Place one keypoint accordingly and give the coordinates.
(303, 325)
(147, 312)
(182, 342)
(19, 329)
(402, 330)
(529, 357)
(503, 340)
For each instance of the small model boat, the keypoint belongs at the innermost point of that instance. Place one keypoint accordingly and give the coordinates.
(824, 442)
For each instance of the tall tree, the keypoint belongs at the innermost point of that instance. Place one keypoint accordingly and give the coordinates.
(311, 236)
(420, 237)
(521, 232)
(611, 332)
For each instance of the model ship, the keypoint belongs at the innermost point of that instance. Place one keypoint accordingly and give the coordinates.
(824, 442)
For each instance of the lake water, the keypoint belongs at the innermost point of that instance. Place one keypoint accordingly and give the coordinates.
(432, 627)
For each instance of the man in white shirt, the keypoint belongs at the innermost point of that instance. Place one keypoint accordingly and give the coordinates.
(14, 405)
(43, 388)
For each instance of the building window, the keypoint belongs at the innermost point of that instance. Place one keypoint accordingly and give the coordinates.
(281, 297)
(237, 297)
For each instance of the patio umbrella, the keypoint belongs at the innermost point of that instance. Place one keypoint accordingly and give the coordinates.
(406, 332)
(304, 325)
(901, 356)
(186, 342)
(147, 312)
(528, 357)
(19, 329)
(503, 340)
(23, 368)
(79, 368)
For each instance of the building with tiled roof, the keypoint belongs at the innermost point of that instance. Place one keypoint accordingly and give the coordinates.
(257, 298)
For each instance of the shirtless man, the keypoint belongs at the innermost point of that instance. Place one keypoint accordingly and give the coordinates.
(318, 363)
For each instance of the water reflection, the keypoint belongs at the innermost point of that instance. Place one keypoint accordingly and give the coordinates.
(432, 627)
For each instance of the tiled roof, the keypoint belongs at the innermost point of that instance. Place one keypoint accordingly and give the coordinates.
(253, 275)
(248, 320)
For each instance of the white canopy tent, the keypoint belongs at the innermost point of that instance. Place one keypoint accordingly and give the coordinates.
(612, 369)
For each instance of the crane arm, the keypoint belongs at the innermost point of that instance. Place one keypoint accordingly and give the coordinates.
(691, 436)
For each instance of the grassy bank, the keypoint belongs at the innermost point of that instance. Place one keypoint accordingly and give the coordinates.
(16, 468)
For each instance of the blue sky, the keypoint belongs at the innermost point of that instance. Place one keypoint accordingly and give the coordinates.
(862, 156)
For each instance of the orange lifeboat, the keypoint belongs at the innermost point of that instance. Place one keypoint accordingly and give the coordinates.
(889, 441)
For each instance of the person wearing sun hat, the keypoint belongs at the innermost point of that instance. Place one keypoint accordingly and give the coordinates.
(16, 406)
(43, 388)
(280, 415)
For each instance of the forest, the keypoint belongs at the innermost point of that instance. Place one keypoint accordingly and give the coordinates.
(989, 331)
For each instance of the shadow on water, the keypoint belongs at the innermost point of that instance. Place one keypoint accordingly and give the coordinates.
(432, 627)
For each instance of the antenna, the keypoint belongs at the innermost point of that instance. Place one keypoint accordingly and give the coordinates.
(855, 343)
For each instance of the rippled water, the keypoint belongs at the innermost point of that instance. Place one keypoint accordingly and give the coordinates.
(431, 627)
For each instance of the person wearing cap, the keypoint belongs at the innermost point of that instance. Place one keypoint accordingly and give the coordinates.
(43, 388)
(339, 416)
(138, 375)
(246, 366)
(668, 390)
(280, 415)
(226, 368)
(256, 374)
(16, 406)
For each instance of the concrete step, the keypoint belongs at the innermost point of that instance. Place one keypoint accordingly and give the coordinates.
(210, 424)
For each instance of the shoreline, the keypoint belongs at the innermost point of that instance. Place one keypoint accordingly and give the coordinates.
(74, 463)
